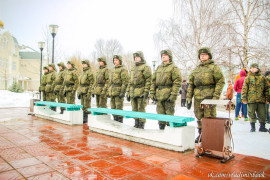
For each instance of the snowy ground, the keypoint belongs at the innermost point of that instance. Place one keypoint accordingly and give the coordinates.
(254, 144)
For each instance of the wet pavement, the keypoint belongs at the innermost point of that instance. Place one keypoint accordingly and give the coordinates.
(34, 148)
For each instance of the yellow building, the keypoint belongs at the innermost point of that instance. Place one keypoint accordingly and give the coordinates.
(17, 63)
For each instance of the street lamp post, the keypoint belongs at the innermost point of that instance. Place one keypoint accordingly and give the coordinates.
(53, 30)
(41, 47)
(154, 65)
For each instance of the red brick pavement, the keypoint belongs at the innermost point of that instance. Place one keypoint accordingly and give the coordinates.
(34, 148)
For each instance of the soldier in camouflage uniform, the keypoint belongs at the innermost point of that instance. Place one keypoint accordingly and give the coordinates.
(71, 82)
(43, 83)
(102, 83)
(118, 85)
(205, 82)
(59, 84)
(50, 80)
(85, 88)
(255, 93)
(166, 82)
(139, 86)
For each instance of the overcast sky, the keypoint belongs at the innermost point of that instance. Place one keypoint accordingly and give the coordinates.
(81, 22)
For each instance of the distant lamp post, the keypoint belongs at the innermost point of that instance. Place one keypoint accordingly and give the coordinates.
(41, 47)
(53, 30)
(154, 65)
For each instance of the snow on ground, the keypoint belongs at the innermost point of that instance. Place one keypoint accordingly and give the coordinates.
(245, 142)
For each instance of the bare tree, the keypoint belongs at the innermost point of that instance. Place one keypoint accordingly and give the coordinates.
(250, 25)
(108, 49)
(128, 61)
(195, 24)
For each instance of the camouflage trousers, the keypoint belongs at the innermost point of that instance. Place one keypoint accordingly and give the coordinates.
(201, 113)
(86, 102)
(165, 107)
(139, 104)
(50, 96)
(70, 95)
(101, 101)
(44, 96)
(259, 109)
(61, 99)
(117, 103)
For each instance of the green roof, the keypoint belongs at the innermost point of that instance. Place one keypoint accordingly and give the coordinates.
(30, 55)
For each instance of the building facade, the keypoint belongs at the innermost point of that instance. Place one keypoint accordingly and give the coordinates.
(18, 63)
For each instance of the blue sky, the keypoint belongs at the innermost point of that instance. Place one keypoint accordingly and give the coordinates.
(81, 22)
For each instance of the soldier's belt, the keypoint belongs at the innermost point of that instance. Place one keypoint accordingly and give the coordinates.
(100, 85)
(68, 85)
(49, 83)
(84, 85)
(138, 85)
(205, 87)
(116, 85)
(162, 87)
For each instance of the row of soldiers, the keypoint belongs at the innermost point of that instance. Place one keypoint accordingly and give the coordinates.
(206, 81)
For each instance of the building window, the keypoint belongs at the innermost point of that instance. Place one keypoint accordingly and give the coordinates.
(14, 66)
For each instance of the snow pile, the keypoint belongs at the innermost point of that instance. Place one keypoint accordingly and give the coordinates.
(245, 142)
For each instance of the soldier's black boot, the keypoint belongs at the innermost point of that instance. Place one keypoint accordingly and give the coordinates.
(161, 126)
(197, 139)
(120, 119)
(53, 108)
(85, 117)
(141, 125)
(252, 127)
(115, 118)
(62, 111)
(136, 123)
(262, 128)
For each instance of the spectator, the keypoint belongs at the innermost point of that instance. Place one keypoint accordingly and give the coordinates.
(267, 76)
(183, 93)
(238, 88)
(255, 93)
(229, 94)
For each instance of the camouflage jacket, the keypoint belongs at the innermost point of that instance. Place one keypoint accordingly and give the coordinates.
(59, 81)
(255, 89)
(43, 82)
(166, 81)
(206, 81)
(50, 81)
(140, 80)
(71, 80)
(102, 80)
(268, 83)
(118, 81)
(86, 81)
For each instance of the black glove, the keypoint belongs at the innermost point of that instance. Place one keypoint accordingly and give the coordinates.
(153, 97)
(128, 98)
(189, 103)
(79, 96)
(93, 95)
(121, 95)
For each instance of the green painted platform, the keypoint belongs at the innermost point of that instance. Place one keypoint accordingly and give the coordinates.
(174, 121)
(69, 107)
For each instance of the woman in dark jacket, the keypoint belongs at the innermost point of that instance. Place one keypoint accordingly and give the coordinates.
(183, 93)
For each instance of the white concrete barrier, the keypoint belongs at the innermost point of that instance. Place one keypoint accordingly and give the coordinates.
(171, 138)
(68, 117)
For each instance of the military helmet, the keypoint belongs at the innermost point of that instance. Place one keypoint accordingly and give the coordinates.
(45, 67)
(86, 61)
(139, 54)
(103, 59)
(62, 65)
(52, 65)
(118, 57)
(205, 50)
(167, 52)
(72, 64)
(254, 65)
